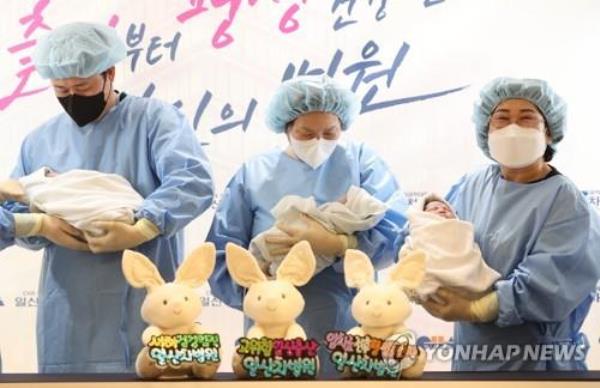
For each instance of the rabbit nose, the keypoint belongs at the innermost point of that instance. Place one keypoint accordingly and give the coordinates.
(376, 311)
(177, 309)
(272, 305)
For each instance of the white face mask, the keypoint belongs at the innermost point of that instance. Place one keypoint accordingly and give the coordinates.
(517, 147)
(313, 152)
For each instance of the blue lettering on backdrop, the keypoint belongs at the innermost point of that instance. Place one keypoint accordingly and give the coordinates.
(368, 75)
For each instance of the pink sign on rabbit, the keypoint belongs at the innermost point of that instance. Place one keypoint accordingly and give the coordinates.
(171, 310)
(273, 304)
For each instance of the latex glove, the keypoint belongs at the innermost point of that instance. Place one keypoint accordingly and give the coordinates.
(118, 236)
(322, 241)
(12, 190)
(450, 306)
(53, 229)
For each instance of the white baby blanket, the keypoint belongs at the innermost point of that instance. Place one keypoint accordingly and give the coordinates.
(358, 212)
(453, 258)
(81, 197)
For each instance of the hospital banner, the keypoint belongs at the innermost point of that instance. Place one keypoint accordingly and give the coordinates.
(416, 66)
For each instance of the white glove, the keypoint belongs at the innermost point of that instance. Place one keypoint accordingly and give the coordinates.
(322, 241)
(118, 236)
(450, 306)
(53, 229)
(11, 190)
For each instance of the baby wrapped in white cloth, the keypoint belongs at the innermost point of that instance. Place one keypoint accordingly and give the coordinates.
(453, 258)
(358, 211)
(82, 197)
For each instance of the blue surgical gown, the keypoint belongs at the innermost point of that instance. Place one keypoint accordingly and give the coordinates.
(7, 237)
(88, 317)
(7, 229)
(544, 239)
(244, 212)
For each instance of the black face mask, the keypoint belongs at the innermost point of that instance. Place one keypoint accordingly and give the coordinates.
(84, 109)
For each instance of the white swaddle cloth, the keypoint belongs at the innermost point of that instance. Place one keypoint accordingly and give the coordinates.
(453, 258)
(81, 197)
(360, 211)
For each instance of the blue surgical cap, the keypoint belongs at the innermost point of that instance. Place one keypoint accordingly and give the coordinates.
(311, 94)
(78, 50)
(538, 92)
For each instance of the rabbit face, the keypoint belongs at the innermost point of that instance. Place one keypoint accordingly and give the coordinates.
(170, 306)
(273, 302)
(380, 305)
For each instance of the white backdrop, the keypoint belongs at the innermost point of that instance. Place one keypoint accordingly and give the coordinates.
(429, 143)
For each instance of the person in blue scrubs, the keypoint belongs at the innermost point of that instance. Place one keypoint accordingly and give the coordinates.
(9, 191)
(88, 317)
(12, 225)
(313, 112)
(7, 229)
(20, 225)
(7, 238)
(534, 227)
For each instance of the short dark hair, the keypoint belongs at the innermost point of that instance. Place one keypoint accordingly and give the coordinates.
(549, 153)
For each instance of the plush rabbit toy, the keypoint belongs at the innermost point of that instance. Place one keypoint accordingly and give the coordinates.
(170, 308)
(273, 305)
(382, 308)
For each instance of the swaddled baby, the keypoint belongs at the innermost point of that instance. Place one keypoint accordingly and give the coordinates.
(453, 258)
(82, 197)
(356, 211)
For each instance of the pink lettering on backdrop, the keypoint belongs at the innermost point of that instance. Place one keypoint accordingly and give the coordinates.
(222, 37)
(288, 23)
(33, 22)
(113, 21)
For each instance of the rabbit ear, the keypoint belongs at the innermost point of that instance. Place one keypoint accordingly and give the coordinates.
(140, 271)
(198, 266)
(410, 270)
(242, 266)
(358, 270)
(299, 265)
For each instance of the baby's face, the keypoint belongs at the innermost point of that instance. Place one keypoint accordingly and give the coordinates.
(439, 208)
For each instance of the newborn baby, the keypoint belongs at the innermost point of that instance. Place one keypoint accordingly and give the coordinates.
(82, 197)
(453, 258)
(440, 208)
(356, 211)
